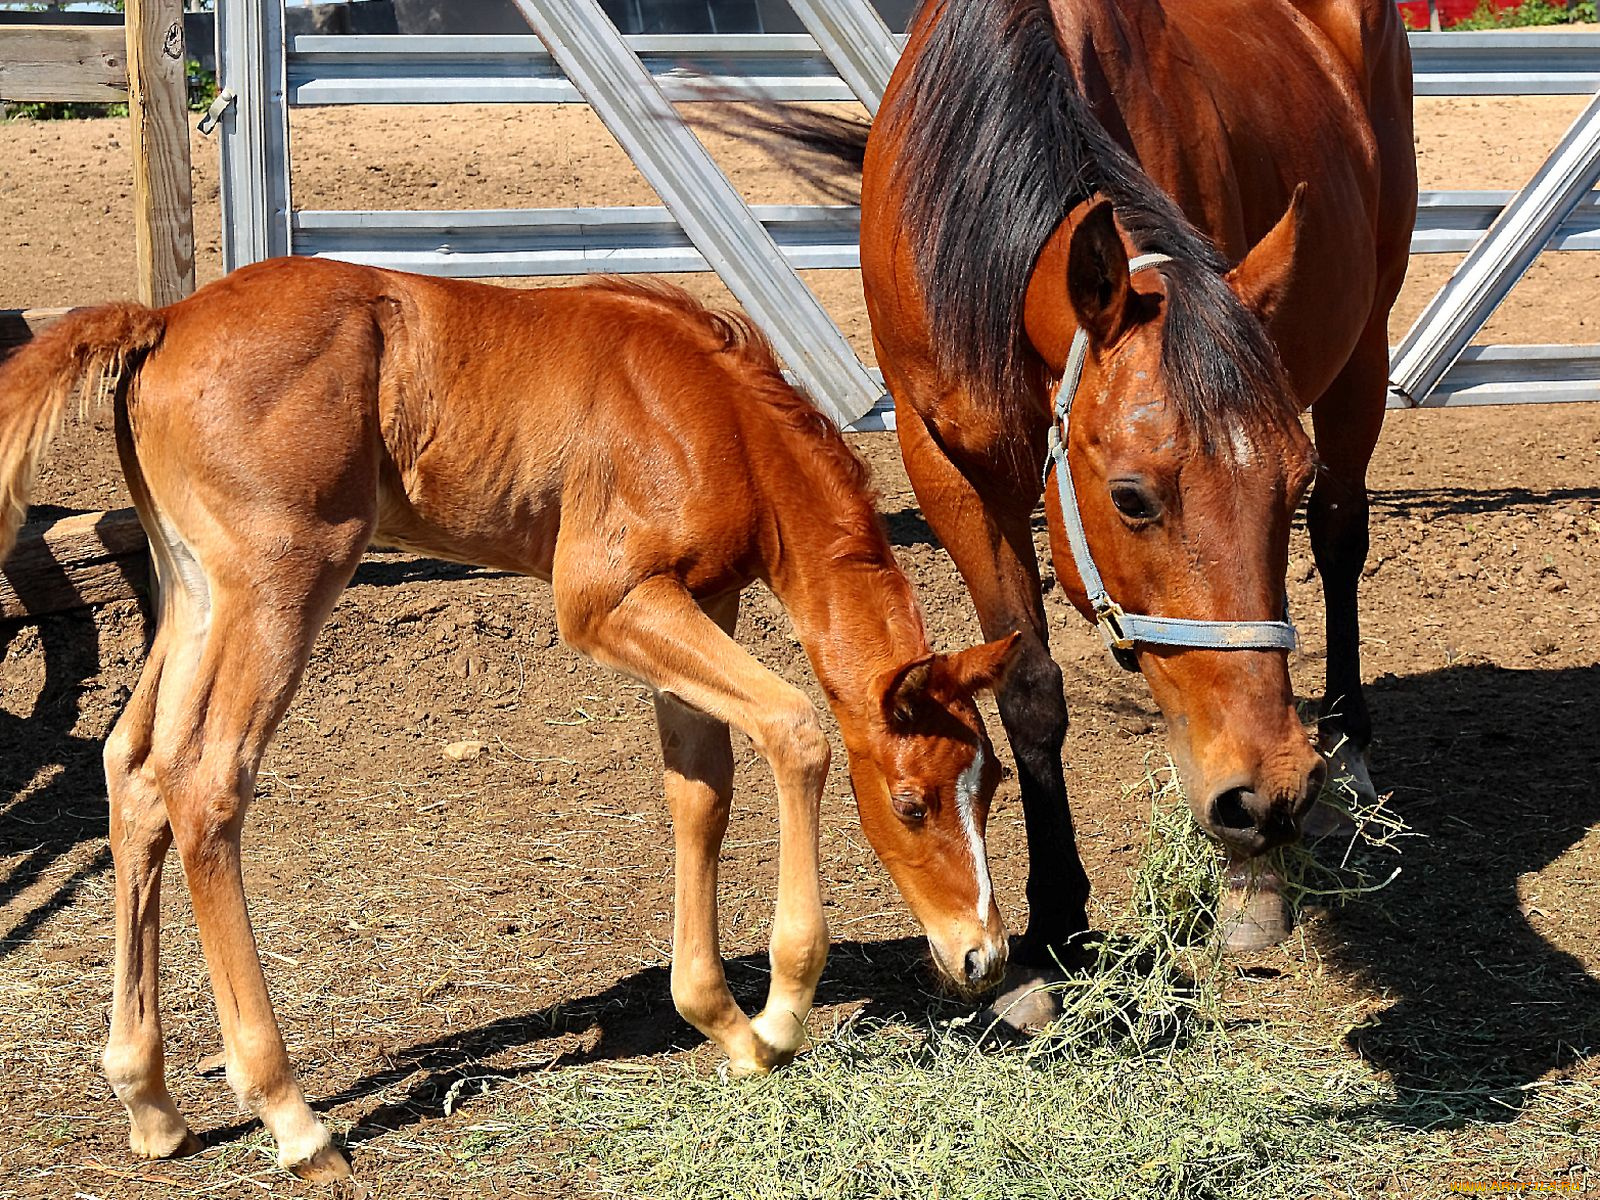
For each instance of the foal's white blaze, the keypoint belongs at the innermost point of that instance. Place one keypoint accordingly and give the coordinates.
(966, 804)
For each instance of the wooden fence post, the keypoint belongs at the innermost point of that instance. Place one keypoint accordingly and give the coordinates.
(163, 200)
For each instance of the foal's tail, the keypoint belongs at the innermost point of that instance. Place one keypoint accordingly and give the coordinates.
(90, 352)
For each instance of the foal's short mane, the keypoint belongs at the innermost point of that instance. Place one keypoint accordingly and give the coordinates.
(998, 146)
(734, 334)
(862, 541)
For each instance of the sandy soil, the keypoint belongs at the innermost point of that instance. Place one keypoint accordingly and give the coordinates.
(425, 919)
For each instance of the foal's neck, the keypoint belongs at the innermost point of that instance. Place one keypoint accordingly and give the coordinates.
(836, 576)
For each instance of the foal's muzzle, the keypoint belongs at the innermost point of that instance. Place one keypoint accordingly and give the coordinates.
(975, 966)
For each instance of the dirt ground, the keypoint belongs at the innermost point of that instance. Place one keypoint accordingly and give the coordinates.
(425, 920)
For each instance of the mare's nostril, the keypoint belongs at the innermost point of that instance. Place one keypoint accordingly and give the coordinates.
(1230, 809)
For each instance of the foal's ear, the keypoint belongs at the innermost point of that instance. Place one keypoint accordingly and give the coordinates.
(905, 690)
(1097, 277)
(982, 668)
(1262, 280)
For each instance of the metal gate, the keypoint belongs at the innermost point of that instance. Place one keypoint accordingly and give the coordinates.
(632, 83)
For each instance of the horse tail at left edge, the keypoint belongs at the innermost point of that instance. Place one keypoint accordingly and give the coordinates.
(92, 352)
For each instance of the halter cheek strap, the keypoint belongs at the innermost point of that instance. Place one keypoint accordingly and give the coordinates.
(1123, 630)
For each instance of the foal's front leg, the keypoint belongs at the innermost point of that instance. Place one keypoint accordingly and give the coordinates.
(705, 682)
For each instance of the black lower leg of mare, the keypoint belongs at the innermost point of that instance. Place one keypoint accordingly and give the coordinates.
(1337, 520)
(1034, 712)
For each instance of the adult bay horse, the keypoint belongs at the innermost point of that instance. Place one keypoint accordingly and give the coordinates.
(641, 453)
(1027, 152)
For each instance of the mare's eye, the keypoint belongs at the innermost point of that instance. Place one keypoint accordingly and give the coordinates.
(1134, 502)
(909, 808)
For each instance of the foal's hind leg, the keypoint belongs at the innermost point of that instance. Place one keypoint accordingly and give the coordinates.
(219, 705)
(140, 835)
(1346, 420)
(658, 634)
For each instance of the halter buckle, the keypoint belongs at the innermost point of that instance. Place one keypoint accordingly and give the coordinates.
(1108, 618)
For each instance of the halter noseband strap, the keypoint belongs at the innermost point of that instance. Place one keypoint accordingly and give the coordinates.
(1122, 630)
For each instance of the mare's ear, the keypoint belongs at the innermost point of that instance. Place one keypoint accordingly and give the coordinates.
(982, 668)
(1262, 280)
(905, 690)
(1098, 285)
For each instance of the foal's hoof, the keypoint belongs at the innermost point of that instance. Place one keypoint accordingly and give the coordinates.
(776, 1039)
(1026, 1004)
(178, 1143)
(326, 1165)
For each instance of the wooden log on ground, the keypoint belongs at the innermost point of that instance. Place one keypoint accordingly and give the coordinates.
(74, 562)
(163, 201)
(83, 63)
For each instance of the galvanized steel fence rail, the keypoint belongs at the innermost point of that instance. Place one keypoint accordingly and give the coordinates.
(1559, 210)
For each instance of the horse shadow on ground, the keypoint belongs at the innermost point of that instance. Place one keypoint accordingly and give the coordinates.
(40, 828)
(1491, 767)
(631, 1018)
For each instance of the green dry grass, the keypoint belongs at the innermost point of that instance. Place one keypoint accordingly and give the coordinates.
(1154, 1083)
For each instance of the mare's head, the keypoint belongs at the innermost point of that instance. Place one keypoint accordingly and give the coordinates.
(1189, 460)
(924, 772)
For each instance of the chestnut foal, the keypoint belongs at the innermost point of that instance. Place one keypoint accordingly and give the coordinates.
(642, 454)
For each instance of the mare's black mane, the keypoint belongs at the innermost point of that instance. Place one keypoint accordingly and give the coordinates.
(998, 146)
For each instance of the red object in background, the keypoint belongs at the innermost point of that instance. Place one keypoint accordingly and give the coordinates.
(1415, 12)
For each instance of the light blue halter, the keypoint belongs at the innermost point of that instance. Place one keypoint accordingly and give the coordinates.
(1122, 630)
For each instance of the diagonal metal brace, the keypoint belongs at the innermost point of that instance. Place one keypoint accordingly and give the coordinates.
(1492, 267)
(589, 49)
(856, 41)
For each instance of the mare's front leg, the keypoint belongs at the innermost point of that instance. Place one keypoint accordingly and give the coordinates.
(988, 531)
(1346, 421)
(705, 682)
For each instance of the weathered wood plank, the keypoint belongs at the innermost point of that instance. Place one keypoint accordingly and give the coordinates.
(18, 325)
(85, 63)
(74, 562)
(163, 201)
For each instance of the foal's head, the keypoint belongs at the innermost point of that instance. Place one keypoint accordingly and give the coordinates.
(1189, 460)
(923, 772)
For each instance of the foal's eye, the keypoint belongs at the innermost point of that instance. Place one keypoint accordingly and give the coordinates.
(909, 808)
(1134, 502)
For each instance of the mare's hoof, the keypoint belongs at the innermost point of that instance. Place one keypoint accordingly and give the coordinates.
(1253, 913)
(1026, 1003)
(1326, 821)
(180, 1144)
(1348, 771)
(326, 1165)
